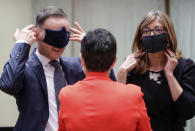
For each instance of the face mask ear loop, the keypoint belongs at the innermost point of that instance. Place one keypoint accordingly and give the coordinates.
(142, 47)
(168, 42)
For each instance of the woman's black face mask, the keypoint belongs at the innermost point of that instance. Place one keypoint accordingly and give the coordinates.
(57, 38)
(155, 43)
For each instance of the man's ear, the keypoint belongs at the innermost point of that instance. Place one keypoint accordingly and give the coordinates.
(113, 64)
(82, 60)
(40, 34)
(83, 64)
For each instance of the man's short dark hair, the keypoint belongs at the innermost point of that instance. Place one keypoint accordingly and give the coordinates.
(98, 49)
(50, 11)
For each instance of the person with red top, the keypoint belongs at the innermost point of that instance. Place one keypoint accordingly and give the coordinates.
(97, 103)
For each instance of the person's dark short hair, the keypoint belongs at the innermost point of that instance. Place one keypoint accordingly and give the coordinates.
(98, 49)
(50, 11)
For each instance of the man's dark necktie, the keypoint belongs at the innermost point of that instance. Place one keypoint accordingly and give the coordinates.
(59, 79)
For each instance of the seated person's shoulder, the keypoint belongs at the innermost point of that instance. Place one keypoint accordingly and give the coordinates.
(129, 88)
(130, 93)
(134, 90)
(65, 91)
(133, 87)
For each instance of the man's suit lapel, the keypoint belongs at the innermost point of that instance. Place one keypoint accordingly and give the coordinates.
(66, 71)
(37, 67)
(73, 70)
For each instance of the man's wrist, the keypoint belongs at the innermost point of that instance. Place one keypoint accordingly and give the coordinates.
(123, 69)
(22, 41)
(169, 74)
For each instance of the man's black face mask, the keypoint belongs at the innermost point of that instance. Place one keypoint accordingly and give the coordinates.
(57, 38)
(155, 43)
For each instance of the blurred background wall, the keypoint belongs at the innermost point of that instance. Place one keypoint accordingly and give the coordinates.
(13, 14)
(120, 17)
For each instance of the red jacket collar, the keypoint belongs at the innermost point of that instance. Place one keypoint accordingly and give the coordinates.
(96, 75)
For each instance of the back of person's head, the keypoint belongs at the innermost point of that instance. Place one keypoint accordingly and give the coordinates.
(50, 11)
(98, 49)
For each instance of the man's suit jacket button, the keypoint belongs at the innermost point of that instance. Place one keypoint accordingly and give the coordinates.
(17, 56)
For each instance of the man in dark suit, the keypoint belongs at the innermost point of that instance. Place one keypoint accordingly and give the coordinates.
(97, 103)
(35, 81)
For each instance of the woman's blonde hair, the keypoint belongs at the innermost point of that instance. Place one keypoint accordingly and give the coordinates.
(137, 44)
